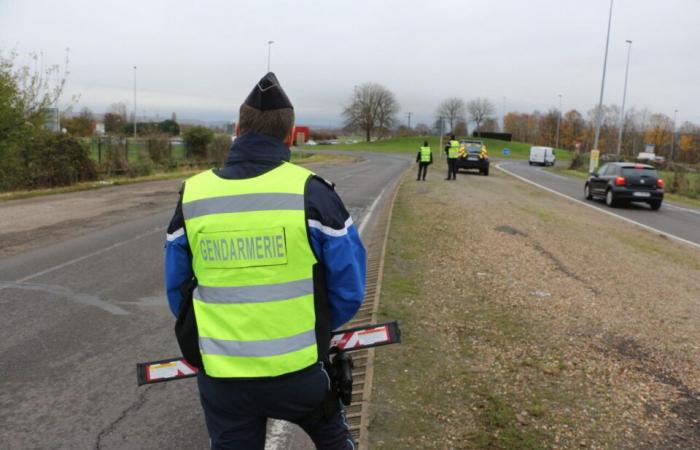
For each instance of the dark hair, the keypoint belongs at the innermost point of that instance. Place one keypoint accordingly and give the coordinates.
(277, 123)
(425, 143)
(452, 137)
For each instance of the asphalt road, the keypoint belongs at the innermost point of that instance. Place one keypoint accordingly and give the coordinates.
(77, 315)
(675, 220)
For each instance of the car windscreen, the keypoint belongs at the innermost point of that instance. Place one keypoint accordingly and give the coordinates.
(473, 148)
(645, 171)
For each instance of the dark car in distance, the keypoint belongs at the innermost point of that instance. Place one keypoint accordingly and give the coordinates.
(473, 155)
(621, 182)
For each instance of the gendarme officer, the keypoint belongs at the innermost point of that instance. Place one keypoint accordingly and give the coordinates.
(278, 264)
(452, 150)
(424, 158)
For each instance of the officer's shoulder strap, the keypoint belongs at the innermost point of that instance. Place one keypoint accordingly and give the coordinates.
(328, 183)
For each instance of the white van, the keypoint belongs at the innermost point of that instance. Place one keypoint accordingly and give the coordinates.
(542, 155)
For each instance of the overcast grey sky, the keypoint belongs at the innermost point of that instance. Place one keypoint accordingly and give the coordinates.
(201, 58)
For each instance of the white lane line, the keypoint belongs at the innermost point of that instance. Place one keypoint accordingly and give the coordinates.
(277, 435)
(88, 255)
(647, 227)
(556, 175)
(692, 211)
(365, 220)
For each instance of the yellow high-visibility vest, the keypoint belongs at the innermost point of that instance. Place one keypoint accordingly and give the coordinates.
(453, 151)
(425, 154)
(254, 303)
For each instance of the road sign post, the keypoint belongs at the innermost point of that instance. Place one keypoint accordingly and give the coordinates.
(593, 163)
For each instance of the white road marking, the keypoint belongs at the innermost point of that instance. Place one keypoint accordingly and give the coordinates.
(692, 211)
(365, 220)
(647, 227)
(556, 175)
(86, 256)
(276, 435)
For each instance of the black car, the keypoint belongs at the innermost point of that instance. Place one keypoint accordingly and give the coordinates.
(621, 182)
(473, 155)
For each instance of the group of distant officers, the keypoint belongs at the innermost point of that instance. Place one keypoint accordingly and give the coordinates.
(424, 158)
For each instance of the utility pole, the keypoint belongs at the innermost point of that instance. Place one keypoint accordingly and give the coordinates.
(134, 101)
(558, 122)
(599, 120)
(409, 119)
(673, 136)
(503, 117)
(269, 49)
(441, 134)
(624, 97)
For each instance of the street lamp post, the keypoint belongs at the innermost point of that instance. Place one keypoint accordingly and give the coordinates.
(269, 48)
(558, 122)
(599, 120)
(134, 101)
(624, 97)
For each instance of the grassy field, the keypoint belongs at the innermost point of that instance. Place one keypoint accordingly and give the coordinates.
(410, 144)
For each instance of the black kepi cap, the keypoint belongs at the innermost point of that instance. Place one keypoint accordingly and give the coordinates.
(268, 94)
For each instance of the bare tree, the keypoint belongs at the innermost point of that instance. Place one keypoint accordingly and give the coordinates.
(372, 108)
(452, 110)
(480, 109)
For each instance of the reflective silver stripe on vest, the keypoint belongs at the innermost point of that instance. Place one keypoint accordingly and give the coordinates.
(254, 294)
(270, 347)
(242, 203)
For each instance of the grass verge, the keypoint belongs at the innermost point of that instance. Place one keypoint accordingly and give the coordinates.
(410, 144)
(302, 159)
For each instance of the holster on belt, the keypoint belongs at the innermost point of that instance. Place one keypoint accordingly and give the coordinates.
(342, 368)
(340, 373)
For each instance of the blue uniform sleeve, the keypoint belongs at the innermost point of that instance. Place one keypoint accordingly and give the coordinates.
(178, 259)
(337, 244)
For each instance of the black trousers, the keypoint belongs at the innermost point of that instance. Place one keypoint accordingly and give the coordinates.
(236, 411)
(422, 168)
(452, 168)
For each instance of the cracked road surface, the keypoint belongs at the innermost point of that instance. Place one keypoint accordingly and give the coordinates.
(82, 302)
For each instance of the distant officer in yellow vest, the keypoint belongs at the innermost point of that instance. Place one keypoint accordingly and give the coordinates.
(424, 158)
(452, 151)
(278, 264)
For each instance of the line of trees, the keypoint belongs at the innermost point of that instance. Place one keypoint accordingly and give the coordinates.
(372, 109)
(640, 127)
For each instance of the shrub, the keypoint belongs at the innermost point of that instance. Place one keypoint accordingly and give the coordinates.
(197, 139)
(218, 148)
(55, 159)
(158, 148)
(114, 156)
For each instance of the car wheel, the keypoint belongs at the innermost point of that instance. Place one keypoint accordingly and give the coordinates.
(529, 162)
(655, 204)
(587, 192)
(610, 198)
